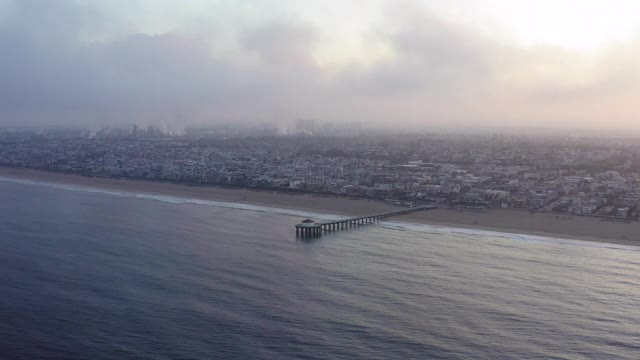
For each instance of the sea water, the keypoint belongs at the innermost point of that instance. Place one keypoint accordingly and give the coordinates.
(93, 274)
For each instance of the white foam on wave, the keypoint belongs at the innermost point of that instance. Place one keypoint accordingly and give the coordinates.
(174, 199)
(322, 216)
(537, 239)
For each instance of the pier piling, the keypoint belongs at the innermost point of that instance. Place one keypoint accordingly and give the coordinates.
(309, 228)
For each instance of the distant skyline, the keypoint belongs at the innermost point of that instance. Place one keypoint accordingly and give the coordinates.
(466, 64)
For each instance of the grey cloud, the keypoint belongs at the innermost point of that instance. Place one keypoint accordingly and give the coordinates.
(169, 77)
(279, 43)
(50, 73)
(431, 57)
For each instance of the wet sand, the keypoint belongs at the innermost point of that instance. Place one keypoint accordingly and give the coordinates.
(544, 224)
(503, 220)
(299, 201)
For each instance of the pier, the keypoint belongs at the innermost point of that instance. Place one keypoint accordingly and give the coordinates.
(310, 228)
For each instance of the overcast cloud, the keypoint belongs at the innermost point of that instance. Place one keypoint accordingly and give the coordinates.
(76, 62)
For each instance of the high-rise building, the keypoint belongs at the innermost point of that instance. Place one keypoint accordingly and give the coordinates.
(305, 126)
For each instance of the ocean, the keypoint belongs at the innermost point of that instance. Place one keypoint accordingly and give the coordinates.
(93, 274)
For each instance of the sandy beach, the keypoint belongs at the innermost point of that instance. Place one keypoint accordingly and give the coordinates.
(502, 220)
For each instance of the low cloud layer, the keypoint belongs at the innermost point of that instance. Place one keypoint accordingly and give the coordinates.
(67, 62)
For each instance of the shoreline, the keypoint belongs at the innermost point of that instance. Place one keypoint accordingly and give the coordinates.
(513, 221)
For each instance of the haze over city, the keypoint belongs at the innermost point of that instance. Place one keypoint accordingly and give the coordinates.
(461, 64)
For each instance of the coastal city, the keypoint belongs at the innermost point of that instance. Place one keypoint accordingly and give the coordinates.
(570, 175)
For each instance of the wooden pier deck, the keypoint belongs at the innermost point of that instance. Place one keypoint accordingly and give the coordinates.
(308, 228)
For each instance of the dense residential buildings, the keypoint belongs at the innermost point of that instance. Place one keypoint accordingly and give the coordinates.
(553, 174)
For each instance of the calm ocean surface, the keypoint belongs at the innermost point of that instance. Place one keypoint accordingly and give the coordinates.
(96, 275)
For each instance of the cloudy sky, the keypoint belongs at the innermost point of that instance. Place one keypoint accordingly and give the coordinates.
(414, 63)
